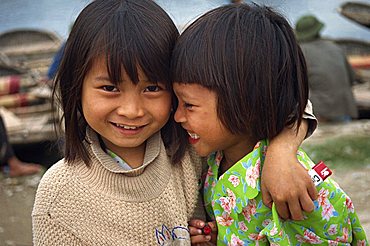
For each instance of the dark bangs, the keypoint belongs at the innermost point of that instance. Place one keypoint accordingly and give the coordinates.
(195, 59)
(209, 53)
(248, 55)
(129, 38)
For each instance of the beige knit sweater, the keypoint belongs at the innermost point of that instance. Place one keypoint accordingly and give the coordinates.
(105, 205)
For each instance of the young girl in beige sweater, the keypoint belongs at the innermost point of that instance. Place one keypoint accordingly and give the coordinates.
(126, 178)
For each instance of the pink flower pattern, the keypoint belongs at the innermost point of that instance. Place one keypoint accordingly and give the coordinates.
(224, 220)
(235, 241)
(266, 222)
(333, 243)
(274, 230)
(235, 202)
(252, 175)
(309, 237)
(235, 181)
(228, 203)
(332, 229)
(349, 205)
(327, 211)
(249, 210)
(253, 236)
(361, 243)
(242, 226)
(322, 198)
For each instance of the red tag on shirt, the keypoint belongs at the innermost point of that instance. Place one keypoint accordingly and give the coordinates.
(319, 173)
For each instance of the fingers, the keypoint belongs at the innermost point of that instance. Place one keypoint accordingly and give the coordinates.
(312, 191)
(197, 223)
(295, 207)
(295, 210)
(306, 199)
(200, 239)
(307, 203)
(213, 226)
(195, 231)
(283, 210)
(197, 235)
(266, 197)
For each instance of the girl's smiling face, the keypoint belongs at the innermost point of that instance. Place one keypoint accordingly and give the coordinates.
(197, 113)
(126, 115)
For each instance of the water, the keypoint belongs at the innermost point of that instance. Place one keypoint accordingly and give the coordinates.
(57, 15)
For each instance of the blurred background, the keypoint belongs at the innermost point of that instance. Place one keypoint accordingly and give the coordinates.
(56, 15)
(32, 32)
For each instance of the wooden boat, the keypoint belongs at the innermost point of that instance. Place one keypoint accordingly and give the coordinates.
(360, 62)
(6, 70)
(25, 55)
(34, 114)
(357, 52)
(353, 47)
(356, 11)
(31, 49)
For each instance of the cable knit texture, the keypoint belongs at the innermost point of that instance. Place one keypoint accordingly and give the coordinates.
(106, 205)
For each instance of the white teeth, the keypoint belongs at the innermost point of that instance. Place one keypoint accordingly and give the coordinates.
(127, 127)
(193, 135)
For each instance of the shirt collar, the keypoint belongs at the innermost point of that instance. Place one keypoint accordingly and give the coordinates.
(251, 163)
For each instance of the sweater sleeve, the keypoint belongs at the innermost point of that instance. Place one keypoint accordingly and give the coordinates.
(45, 229)
(48, 232)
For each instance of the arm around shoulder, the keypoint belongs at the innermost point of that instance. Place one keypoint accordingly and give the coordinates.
(284, 181)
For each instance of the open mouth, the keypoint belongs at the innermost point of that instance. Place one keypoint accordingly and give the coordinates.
(193, 135)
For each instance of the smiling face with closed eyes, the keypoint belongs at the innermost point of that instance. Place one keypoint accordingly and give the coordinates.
(124, 115)
(197, 114)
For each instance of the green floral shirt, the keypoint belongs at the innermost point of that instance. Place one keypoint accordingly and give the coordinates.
(234, 200)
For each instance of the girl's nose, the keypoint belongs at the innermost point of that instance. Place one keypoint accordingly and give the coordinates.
(179, 115)
(131, 107)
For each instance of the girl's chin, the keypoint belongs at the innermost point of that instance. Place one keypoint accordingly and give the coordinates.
(202, 153)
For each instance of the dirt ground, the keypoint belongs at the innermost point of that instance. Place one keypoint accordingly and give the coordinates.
(17, 194)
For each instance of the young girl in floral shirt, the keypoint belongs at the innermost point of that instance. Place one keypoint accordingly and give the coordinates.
(240, 78)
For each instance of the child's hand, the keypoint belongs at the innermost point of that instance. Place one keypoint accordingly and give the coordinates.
(196, 232)
(286, 183)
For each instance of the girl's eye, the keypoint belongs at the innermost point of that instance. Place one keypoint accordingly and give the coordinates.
(110, 88)
(188, 105)
(152, 88)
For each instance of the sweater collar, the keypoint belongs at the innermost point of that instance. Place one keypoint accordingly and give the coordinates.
(152, 149)
(142, 183)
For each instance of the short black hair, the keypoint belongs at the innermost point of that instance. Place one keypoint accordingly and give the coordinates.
(249, 56)
(130, 34)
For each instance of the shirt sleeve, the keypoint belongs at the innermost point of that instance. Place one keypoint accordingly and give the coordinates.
(311, 119)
